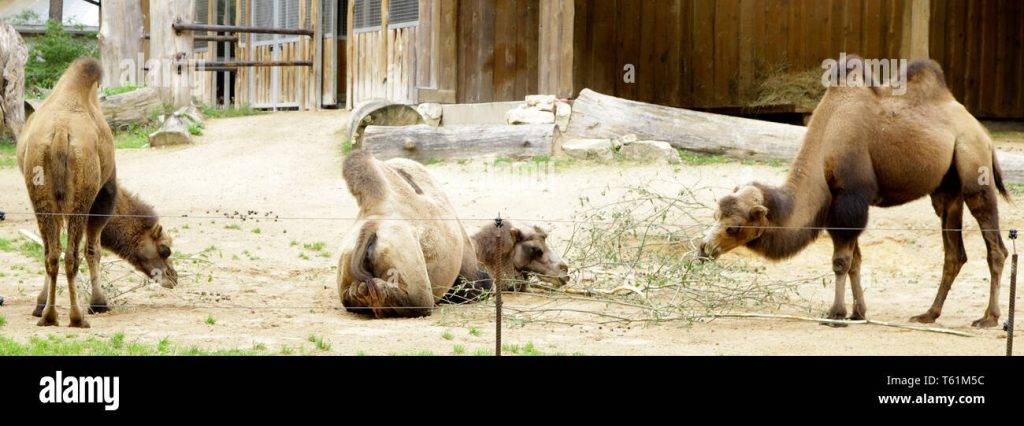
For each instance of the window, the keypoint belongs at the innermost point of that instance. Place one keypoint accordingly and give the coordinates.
(279, 14)
(366, 16)
(403, 13)
(335, 11)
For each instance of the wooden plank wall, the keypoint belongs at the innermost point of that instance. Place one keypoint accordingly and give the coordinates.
(712, 54)
(980, 45)
(497, 49)
(382, 64)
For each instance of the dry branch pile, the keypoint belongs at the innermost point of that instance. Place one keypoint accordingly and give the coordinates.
(637, 262)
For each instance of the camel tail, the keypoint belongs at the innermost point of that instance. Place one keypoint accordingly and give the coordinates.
(361, 264)
(364, 178)
(59, 164)
(997, 176)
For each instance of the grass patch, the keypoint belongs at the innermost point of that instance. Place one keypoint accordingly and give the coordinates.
(3, 320)
(700, 159)
(319, 342)
(195, 129)
(233, 227)
(133, 137)
(346, 147)
(25, 248)
(116, 345)
(458, 350)
(243, 111)
(447, 335)
(8, 151)
(526, 350)
(210, 320)
(475, 332)
(114, 91)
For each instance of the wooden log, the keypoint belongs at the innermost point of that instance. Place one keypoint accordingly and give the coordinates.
(597, 116)
(380, 112)
(13, 56)
(119, 40)
(183, 27)
(425, 143)
(135, 107)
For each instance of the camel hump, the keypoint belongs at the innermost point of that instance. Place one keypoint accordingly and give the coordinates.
(365, 180)
(925, 77)
(86, 71)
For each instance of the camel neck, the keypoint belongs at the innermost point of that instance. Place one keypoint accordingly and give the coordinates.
(797, 209)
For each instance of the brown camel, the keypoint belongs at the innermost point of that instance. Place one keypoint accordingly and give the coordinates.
(407, 248)
(511, 254)
(66, 154)
(866, 146)
(135, 235)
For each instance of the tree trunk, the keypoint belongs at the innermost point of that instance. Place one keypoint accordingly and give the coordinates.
(424, 143)
(57, 11)
(135, 107)
(120, 39)
(597, 116)
(169, 52)
(13, 55)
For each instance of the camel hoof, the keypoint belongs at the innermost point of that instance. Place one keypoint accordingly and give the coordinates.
(39, 311)
(925, 318)
(98, 308)
(986, 322)
(48, 320)
(857, 316)
(78, 323)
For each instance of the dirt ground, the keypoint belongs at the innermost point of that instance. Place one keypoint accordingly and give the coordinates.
(271, 283)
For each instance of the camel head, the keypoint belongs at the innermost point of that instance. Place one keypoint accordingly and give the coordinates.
(135, 235)
(153, 256)
(524, 249)
(532, 256)
(741, 218)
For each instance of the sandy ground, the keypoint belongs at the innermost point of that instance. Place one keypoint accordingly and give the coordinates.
(265, 283)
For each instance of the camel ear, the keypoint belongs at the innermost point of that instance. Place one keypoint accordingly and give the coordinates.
(517, 235)
(157, 231)
(758, 212)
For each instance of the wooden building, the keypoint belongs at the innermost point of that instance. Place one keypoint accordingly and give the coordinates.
(704, 54)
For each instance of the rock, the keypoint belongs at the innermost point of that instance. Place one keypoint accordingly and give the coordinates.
(529, 115)
(191, 113)
(562, 113)
(624, 140)
(541, 102)
(588, 149)
(173, 131)
(431, 112)
(650, 152)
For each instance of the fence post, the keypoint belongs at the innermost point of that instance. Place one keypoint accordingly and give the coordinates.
(497, 284)
(1013, 294)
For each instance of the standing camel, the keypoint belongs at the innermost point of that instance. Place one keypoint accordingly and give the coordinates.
(866, 146)
(66, 154)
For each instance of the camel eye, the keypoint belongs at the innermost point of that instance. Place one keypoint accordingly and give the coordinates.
(732, 230)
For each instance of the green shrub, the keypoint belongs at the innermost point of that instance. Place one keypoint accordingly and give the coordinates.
(130, 87)
(53, 52)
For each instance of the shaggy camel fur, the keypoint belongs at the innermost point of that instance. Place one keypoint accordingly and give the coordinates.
(866, 147)
(407, 248)
(135, 235)
(511, 253)
(66, 154)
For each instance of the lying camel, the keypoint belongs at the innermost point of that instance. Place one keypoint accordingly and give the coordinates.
(134, 234)
(510, 254)
(66, 154)
(866, 146)
(407, 248)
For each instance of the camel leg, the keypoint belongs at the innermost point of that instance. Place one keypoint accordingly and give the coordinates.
(842, 261)
(401, 287)
(848, 215)
(950, 209)
(100, 212)
(985, 209)
(860, 308)
(49, 228)
(76, 226)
